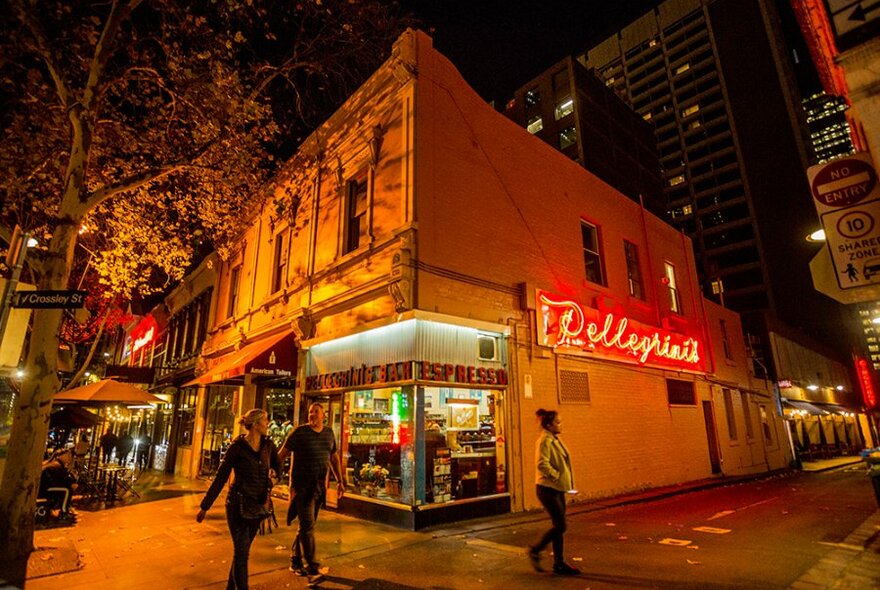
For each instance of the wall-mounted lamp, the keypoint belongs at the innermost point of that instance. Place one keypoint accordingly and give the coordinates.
(813, 387)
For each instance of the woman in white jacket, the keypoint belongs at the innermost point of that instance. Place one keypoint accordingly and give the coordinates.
(554, 478)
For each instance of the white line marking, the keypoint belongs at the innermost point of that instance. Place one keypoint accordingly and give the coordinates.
(675, 542)
(843, 183)
(722, 514)
(713, 530)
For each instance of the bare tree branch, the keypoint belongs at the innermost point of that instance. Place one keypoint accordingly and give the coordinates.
(44, 50)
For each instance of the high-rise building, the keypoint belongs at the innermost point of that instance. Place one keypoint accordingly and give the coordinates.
(829, 129)
(718, 82)
(569, 108)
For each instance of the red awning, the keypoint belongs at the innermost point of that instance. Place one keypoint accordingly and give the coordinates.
(273, 357)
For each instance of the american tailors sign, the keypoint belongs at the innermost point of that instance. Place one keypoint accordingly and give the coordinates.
(567, 324)
(407, 371)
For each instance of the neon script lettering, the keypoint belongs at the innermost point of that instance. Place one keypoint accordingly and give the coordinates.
(567, 321)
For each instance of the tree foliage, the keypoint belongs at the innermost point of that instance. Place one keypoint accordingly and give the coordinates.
(133, 132)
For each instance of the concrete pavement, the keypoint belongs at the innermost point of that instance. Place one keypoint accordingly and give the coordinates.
(158, 544)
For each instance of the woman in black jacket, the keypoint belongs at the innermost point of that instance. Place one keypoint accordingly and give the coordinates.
(254, 459)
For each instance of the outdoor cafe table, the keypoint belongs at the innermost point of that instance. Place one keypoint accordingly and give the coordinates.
(108, 474)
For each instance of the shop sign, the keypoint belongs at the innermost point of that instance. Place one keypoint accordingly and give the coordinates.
(867, 383)
(784, 384)
(143, 333)
(403, 371)
(567, 324)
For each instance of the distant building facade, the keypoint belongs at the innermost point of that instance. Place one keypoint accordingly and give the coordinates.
(830, 133)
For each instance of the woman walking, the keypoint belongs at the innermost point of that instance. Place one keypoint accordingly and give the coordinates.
(554, 480)
(254, 459)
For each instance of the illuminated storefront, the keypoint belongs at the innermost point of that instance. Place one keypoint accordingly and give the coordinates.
(416, 407)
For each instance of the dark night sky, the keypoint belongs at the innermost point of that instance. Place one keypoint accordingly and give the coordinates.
(499, 45)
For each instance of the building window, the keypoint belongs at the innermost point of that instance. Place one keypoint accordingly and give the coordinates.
(592, 255)
(747, 414)
(690, 110)
(676, 180)
(535, 125)
(355, 213)
(280, 263)
(234, 283)
(186, 415)
(671, 288)
(687, 209)
(532, 97)
(680, 393)
(728, 409)
(633, 271)
(567, 137)
(682, 68)
(765, 423)
(566, 107)
(725, 343)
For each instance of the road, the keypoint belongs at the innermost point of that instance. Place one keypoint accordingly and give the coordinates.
(762, 534)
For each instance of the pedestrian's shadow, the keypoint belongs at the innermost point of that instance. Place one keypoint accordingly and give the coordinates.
(334, 582)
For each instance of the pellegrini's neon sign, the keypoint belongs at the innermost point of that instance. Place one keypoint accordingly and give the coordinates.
(568, 324)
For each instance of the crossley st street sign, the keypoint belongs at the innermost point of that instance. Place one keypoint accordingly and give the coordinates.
(847, 197)
(50, 299)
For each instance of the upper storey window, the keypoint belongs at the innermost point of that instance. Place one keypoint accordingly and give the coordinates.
(355, 213)
(592, 254)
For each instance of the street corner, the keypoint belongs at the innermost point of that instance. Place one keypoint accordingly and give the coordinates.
(60, 556)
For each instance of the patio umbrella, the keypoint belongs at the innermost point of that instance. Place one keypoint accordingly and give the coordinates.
(108, 390)
(72, 417)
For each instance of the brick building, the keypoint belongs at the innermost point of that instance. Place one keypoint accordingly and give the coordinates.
(441, 274)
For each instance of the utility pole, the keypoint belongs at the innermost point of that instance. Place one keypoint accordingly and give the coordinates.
(18, 246)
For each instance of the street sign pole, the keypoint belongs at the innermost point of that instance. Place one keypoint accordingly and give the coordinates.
(18, 250)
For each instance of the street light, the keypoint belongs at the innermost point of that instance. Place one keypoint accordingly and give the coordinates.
(817, 236)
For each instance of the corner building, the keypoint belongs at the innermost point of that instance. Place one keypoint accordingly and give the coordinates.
(441, 274)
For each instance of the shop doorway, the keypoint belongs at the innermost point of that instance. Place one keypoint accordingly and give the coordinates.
(712, 436)
(332, 420)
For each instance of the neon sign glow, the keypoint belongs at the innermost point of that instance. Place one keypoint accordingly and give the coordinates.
(568, 324)
(867, 387)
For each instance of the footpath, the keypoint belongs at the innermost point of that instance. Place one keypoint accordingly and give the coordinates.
(157, 544)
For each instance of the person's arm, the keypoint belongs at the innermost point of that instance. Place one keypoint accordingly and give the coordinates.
(336, 466)
(220, 480)
(545, 467)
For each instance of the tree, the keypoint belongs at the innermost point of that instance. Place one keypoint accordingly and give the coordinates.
(152, 125)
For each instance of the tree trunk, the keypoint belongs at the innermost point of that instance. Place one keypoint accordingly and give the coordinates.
(30, 427)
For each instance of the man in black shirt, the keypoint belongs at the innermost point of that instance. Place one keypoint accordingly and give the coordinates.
(314, 449)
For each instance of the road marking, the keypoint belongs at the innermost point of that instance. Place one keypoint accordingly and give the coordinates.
(675, 542)
(722, 514)
(842, 546)
(758, 503)
(713, 530)
(498, 546)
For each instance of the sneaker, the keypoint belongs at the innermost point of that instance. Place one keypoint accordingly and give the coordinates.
(534, 559)
(563, 569)
(297, 567)
(315, 579)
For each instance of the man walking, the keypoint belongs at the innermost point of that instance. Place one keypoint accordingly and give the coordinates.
(313, 447)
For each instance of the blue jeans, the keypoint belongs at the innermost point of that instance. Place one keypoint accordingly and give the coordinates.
(307, 502)
(243, 532)
(554, 503)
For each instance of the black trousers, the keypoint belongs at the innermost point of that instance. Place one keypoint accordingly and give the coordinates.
(553, 502)
(243, 532)
(307, 503)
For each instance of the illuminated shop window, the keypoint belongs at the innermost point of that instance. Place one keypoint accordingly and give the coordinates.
(671, 287)
(566, 107)
(592, 254)
(633, 270)
(535, 125)
(728, 410)
(279, 266)
(355, 213)
(567, 137)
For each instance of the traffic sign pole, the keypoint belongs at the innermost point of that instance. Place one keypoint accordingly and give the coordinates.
(20, 248)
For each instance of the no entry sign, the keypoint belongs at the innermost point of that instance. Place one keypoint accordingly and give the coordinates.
(843, 183)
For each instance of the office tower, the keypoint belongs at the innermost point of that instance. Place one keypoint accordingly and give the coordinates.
(829, 130)
(569, 108)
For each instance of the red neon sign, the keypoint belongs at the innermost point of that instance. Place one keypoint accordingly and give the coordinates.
(143, 333)
(569, 324)
(867, 386)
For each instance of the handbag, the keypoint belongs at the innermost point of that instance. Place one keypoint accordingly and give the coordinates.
(251, 509)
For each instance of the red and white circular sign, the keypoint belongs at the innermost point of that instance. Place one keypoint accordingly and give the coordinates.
(844, 182)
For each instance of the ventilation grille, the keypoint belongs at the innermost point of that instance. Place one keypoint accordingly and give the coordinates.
(574, 387)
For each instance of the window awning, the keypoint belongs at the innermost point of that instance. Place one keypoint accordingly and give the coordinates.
(273, 357)
(805, 406)
(835, 409)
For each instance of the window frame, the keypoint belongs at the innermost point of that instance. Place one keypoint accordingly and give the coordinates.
(352, 218)
(279, 262)
(595, 252)
(674, 297)
(635, 285)
(727, 394)
(234, 290)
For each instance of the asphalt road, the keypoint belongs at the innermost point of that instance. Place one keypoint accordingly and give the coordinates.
(762, 534)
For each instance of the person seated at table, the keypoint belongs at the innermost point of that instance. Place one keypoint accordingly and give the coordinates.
(57, 483)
